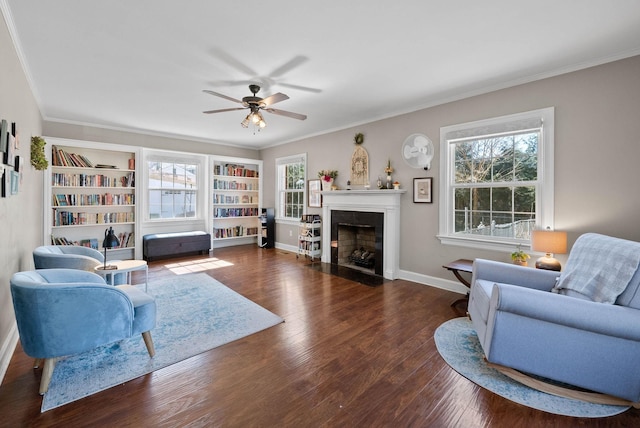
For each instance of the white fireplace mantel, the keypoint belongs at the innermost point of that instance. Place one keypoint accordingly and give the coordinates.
(382, 201)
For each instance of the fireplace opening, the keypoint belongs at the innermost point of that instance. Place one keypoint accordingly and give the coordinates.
(357, 240)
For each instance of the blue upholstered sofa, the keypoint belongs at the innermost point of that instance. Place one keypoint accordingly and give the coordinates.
(580, 326)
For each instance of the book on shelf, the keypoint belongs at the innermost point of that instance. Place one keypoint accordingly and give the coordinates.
(60, 157)
(234, 170)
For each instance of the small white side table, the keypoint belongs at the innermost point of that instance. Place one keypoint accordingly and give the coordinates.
(125, 266)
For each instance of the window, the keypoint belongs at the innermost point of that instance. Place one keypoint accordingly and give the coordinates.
(172, 189)
(290, 185)
(497, 178)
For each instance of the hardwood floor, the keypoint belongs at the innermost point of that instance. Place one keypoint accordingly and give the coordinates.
(347, 355)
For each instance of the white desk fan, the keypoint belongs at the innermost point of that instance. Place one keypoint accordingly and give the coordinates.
(417, 151)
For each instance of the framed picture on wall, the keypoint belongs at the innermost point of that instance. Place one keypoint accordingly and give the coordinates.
(422, 190)
(15, 182)
(314, 187)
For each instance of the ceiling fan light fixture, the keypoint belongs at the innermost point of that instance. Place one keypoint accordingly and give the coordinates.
(262, 123)
(245, 122)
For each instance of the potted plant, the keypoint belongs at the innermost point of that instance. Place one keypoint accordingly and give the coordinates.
(38, 158)
(519, 257)
(327, 176)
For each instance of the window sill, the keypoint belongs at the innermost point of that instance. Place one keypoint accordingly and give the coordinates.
(483, 244)
(291, 222)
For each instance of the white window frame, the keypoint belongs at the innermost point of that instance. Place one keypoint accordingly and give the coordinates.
(177, 157)
(544, 188)
(280, 192)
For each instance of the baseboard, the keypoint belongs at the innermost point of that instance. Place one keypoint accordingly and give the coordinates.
(433, 281)
(7, 350)
(285, 247)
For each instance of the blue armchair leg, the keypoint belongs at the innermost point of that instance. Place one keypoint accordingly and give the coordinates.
(47, 371)
(149, 343)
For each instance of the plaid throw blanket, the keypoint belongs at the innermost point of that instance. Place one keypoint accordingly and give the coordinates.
(599, 267)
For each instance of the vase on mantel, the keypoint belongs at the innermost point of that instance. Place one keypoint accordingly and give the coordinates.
(326, 185)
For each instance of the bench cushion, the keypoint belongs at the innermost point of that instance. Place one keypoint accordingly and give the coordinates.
(170, 244)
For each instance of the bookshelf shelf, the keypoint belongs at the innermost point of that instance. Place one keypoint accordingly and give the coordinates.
(91, 187)
(237, 184)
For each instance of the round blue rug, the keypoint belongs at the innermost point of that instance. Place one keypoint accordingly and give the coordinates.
(458, 345)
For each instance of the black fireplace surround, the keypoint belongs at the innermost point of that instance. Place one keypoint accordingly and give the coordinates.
(358, 219)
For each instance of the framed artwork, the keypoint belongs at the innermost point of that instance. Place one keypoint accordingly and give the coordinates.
(359, 167)
(9, 155)
(6, 183)
(15, 180)
(422, 190)
(314, 187)
(4, 129)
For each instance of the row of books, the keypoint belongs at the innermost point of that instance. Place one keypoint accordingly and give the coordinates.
(234, 170)
(232, 232)
(310, 218)
(237, 199)
(126, 240)
(92, 180)
(235, 212)
(60, 200)
(234, 185)
(61, 158)
(68, 218)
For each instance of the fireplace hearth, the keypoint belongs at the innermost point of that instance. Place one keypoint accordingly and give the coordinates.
(357, 240)
(374, 212)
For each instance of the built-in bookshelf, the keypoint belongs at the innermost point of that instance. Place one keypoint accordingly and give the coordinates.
(91, 189)
(236, 199)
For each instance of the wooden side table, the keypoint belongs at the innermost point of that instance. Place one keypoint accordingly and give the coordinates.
(125, 266)
(457, 266)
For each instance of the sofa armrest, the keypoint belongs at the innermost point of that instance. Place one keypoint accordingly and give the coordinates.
(506, 273)
(611, 320)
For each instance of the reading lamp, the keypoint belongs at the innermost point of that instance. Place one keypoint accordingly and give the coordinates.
(549, 242)
(110, 241)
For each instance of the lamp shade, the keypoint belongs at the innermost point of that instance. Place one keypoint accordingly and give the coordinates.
(549, 241)
(110, 239)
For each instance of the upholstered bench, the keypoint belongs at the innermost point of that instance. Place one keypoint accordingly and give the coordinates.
(160, 245)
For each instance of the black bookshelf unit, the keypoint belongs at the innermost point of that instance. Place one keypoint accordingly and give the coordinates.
(267, 228)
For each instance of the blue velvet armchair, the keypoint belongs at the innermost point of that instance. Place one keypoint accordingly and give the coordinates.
(71, 257)
(61, 312)
(580, 326)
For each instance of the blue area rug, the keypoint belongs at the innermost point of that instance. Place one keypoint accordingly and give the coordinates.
(195, 313)
(458, 345)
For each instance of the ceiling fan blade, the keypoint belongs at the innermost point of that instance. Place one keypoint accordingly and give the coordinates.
(275, 98)
(222, 96)
(230, 83)
(232, 61)
(287, 113)
(300, 88)
(223, 110)
(291, 64)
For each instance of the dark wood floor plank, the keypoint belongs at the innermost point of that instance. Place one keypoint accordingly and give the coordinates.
(346, 355)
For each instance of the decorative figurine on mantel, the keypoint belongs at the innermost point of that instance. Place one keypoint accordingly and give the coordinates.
(359, 162)
(389, 170)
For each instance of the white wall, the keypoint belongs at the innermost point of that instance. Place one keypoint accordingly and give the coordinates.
(21, 214)
(597, 150)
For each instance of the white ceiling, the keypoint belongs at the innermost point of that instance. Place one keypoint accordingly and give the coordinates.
(142, 65)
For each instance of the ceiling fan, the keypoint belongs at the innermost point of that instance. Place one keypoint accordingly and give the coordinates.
(255, 104)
